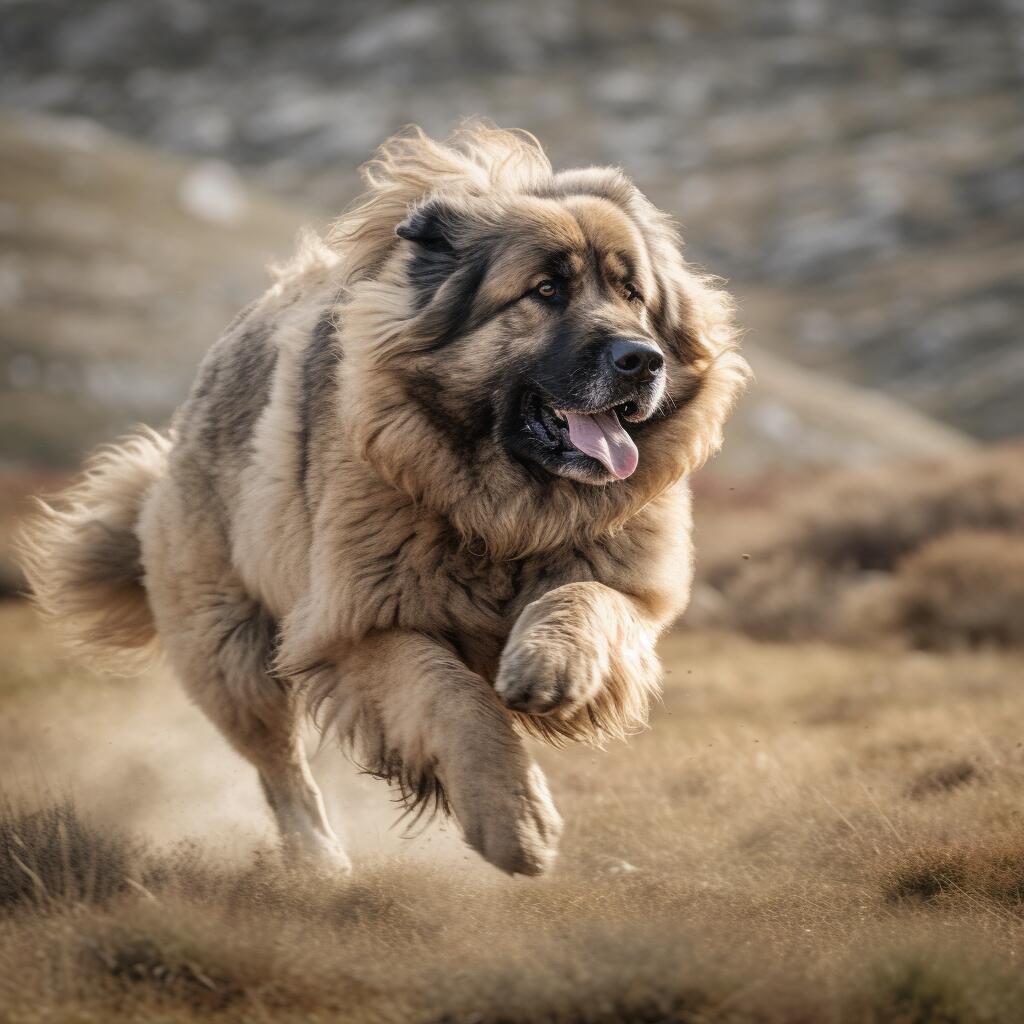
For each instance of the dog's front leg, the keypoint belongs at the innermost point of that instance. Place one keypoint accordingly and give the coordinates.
(419, 715)
(583, 655)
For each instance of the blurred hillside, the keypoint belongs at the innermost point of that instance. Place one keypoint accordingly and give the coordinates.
(120, 267)
(124, 265)
(857, 170)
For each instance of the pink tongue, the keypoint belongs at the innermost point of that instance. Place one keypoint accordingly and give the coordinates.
(603, 437)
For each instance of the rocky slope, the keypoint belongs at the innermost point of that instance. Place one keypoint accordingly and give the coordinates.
(856, 169)
(119, 268)
(123, 265)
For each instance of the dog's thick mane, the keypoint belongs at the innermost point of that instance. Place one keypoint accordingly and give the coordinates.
(508, 510)
(476, 160)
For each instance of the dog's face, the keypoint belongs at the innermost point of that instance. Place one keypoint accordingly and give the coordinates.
(543, 325)
(530, 358)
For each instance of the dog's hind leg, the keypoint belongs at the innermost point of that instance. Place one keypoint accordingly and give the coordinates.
(221, 645)
(260, 716)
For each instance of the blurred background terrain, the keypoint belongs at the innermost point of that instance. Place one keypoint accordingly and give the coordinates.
(855, 170)
(827, 813)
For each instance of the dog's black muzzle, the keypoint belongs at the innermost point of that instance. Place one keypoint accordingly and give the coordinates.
(621, 372)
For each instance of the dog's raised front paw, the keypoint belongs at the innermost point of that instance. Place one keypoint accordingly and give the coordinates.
(547, 668)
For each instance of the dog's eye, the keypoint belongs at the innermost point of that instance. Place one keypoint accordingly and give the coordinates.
(547, 289)
(632, 294)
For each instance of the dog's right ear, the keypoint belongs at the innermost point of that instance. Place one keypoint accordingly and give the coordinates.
(432, 226)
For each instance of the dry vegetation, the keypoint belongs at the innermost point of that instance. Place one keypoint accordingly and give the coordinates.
(807, 834)
(929, 555)
(810, 832)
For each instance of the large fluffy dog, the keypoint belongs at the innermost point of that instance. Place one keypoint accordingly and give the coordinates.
(432, 483)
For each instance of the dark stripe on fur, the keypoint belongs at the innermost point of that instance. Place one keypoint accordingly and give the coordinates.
(421, 794)
(234, 389)
(250, 640)
(320, 364)
(462, 431)
(428, 270)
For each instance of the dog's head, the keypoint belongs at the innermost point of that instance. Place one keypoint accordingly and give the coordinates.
(544, 326)
(547, 306)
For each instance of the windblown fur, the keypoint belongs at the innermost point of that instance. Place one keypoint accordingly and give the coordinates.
(82, 557)
(371, 505)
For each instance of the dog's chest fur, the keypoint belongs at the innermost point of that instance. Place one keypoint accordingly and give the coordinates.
(413, 571)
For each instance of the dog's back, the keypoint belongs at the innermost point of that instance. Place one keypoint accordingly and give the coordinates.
(249, 439)
(82, 552)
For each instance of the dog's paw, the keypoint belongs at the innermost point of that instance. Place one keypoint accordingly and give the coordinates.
(538, 677)
(515, 829)
(313, 852)
(547, 668)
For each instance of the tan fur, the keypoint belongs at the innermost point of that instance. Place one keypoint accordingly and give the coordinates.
(338, 522)
(81, 556)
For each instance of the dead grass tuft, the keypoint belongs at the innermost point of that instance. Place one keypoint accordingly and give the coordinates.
(941, 778)
(926, 875)
(986, 873)
(168, 970)
(50, 855)
(964, 588)
(937, 985)
(194, 959)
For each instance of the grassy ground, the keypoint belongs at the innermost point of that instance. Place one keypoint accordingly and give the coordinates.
(807, 833)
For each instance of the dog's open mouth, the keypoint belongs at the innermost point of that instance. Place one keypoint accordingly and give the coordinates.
(599, 435)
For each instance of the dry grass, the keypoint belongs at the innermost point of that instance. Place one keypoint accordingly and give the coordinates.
(807, 834)
(48, 853)
(931, 555)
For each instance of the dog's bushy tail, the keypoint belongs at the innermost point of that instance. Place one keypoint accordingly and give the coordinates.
(81, 554)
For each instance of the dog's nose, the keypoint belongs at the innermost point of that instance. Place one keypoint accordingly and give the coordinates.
(637, 361)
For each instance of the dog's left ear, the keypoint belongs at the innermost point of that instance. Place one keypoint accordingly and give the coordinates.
(433, 226)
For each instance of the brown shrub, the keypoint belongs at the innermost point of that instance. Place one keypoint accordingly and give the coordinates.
(942, 778)
(932, 554)
(964, 588)
(170, 972)
(935, 984)
(870, 520)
